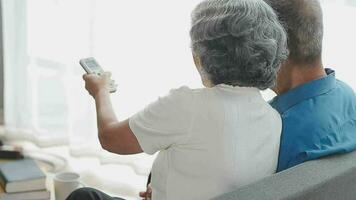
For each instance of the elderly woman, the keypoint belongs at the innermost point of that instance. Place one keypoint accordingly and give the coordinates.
(214, 139)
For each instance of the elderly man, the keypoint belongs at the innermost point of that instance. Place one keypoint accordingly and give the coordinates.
(318, 111)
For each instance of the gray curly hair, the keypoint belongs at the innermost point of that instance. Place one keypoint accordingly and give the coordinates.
(239, 42)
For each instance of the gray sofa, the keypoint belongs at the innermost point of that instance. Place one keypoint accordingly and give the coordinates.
(329, 178)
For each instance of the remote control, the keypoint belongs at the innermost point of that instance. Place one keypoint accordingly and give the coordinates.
(90, 65)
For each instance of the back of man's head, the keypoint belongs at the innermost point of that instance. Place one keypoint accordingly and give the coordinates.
(303, 21)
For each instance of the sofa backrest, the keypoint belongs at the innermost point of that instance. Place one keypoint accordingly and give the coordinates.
(329, 178)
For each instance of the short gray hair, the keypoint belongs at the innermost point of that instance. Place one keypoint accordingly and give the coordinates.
(239, 42)
(303, 21)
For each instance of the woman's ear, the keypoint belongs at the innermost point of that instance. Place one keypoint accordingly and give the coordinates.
(203, 75)
(197, 61)
(198, 65)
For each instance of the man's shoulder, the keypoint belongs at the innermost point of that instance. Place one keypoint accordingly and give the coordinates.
(345, 89)
(341, 94)
(323, 112)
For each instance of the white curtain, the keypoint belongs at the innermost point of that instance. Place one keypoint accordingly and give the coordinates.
(340, 38)
(144, 43)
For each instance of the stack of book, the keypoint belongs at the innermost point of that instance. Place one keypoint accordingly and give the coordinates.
(22, 180)
(10, 152)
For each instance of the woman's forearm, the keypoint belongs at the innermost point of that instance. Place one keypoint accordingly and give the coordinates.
(114, 136)
(105, 113)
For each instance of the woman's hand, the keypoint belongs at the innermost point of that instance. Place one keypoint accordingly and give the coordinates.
(148, 194)
(96, 84)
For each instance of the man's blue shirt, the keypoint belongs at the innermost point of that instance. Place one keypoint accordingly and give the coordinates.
(319, 119)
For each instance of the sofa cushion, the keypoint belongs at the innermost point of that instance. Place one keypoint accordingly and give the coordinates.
(332, 177)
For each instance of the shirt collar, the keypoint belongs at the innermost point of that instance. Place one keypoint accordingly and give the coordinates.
(306, 91)
(252, 91)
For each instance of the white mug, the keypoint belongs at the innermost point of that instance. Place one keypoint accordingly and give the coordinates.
(65, 183)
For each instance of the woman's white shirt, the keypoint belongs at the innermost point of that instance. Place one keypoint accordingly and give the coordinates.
(209, 140)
